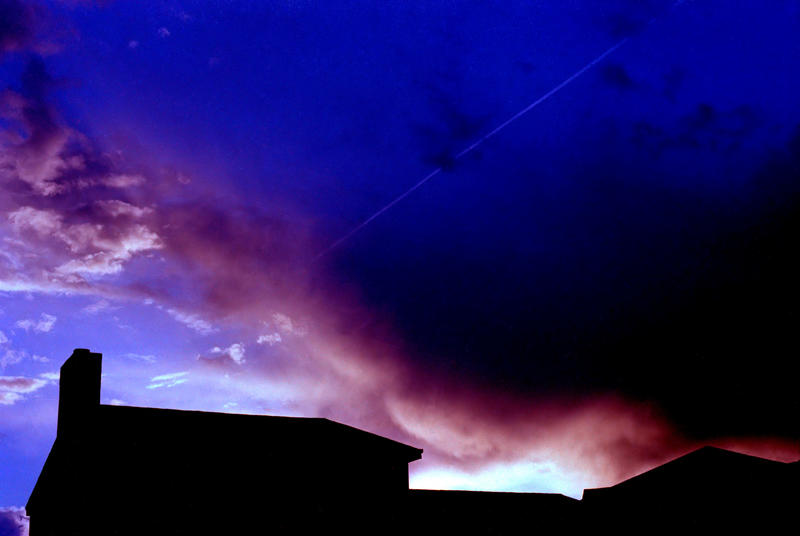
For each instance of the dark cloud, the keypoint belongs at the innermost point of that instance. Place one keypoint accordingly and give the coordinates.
(526, 67)
(673, 81)
(705, 128)
(451, 129)
(660, 293)
(30, 27)
(13, 521)
(626, 18)
(721, 349)
(44, 156)
(617, 76)
(17, 20)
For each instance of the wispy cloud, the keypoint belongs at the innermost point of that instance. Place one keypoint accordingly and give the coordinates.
(96, 307)
(43, 325)
(14, 388)
(193, 321)
(168, 380)
(286, 325)
(147, 358)
(11, 356)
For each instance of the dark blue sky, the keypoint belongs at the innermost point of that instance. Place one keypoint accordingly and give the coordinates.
(631, 237)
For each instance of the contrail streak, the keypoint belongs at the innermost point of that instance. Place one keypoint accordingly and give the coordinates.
(544, 97)
(364, 223)
(474, 145)
(477, 143)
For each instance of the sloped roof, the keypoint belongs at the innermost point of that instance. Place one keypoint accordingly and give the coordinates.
(185, 425)
(700, 471)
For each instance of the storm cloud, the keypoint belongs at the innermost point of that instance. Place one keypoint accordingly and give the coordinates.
(607, 287)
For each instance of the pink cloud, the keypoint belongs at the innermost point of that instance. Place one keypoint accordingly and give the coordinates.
(26, 27)
(101, 248)
(14, 388)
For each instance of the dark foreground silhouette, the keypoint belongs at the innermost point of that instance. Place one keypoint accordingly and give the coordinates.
(116, 470)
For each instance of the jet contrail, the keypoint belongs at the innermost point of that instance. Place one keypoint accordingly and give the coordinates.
(497, 129)
(361, 225)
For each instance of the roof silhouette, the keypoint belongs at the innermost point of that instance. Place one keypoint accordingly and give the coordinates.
(707, 489)
(707, 463)
(132, 470)
(178, 466)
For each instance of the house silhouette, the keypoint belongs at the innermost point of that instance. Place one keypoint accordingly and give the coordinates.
(118, 470)
(709, 490)
(131, 470)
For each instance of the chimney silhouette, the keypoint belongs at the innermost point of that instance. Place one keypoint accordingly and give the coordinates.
(78, 392)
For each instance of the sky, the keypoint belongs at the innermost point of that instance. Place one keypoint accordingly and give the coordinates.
(603, 284)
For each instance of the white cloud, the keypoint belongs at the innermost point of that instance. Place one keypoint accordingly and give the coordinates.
(51, 376)
(170, 376)
(40, 358)
(10, 357)
(96, 307)
(234, 352)
(270, 338)
(25, 324)
(9, 399)
(3, 338)
(44, 325)
(168, 380)
(148, 358)
(193, 321)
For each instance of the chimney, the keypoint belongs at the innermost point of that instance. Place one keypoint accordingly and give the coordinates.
(78, 392)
